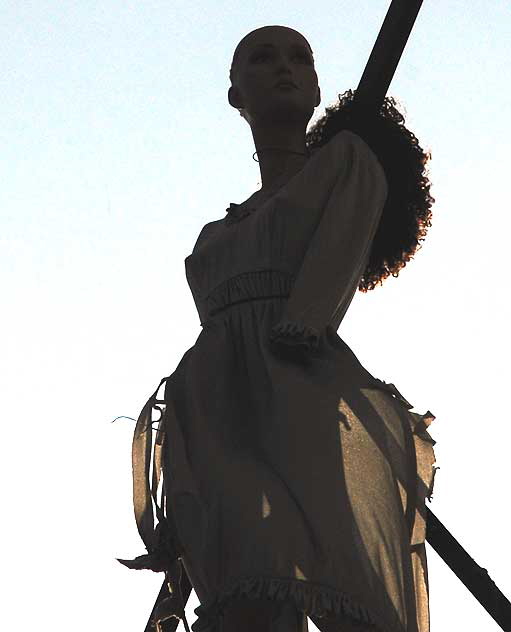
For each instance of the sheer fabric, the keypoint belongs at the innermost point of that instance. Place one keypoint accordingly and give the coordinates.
(293, 474)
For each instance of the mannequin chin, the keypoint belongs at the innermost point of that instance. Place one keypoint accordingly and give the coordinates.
(245, 115)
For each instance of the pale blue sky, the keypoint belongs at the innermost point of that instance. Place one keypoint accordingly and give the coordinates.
(118, 145)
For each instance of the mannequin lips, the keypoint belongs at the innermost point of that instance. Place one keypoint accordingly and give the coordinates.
(286, 83)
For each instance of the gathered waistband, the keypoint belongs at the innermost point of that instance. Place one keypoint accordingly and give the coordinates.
(248, 286)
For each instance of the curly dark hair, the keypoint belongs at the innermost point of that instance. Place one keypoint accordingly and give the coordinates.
(407, 213)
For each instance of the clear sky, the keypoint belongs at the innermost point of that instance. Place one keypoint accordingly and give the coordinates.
(118, 145)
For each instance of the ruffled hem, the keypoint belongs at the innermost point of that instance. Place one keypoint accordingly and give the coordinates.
(316, 600)
(294, 340)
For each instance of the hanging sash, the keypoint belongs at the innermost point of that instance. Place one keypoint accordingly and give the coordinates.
(162, 542)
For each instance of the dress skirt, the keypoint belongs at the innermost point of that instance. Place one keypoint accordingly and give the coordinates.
(311, 480)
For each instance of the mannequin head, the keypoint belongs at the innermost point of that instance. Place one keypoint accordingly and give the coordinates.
(264, 57)
(278, 116)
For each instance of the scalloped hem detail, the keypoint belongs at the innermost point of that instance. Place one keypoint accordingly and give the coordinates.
(316, 600)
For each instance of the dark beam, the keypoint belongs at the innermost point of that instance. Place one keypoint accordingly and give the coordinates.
(386, 53)
(475, 578)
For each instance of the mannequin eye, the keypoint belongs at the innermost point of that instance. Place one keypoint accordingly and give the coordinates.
(265, 55)
(306, 57)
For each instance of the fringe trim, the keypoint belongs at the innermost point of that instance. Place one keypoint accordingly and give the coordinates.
(316, 600)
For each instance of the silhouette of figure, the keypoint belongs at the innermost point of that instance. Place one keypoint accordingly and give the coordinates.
(294, 480)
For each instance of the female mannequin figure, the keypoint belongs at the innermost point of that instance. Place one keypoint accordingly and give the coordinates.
(295, 479)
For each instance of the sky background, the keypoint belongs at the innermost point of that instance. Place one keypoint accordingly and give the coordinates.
(118, 145)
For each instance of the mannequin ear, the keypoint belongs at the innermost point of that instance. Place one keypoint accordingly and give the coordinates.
(233, 97)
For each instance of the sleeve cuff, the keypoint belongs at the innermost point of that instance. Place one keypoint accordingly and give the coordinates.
(294, 341)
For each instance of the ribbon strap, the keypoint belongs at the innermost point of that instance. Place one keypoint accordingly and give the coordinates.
(162, 543)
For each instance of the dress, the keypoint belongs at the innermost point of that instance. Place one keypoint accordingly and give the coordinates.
(296, 474)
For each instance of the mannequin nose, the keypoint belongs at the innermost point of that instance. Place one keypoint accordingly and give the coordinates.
(283, 67)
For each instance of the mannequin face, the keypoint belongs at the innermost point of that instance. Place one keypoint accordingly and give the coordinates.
(269, 55)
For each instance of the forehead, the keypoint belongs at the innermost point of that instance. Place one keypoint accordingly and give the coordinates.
(272, 35)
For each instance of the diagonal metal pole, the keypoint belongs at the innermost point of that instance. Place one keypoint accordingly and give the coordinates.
(386, 53)
(475, 578)
(370, 94)
(170, 625)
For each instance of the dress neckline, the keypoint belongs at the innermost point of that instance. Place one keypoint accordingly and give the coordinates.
(238, 211)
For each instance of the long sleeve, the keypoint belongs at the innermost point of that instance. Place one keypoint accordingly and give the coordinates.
(339, 249)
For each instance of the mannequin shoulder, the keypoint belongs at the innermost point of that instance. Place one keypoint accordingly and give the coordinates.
(207, 231)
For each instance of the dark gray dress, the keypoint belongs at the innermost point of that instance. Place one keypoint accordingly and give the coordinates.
(296, 474)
